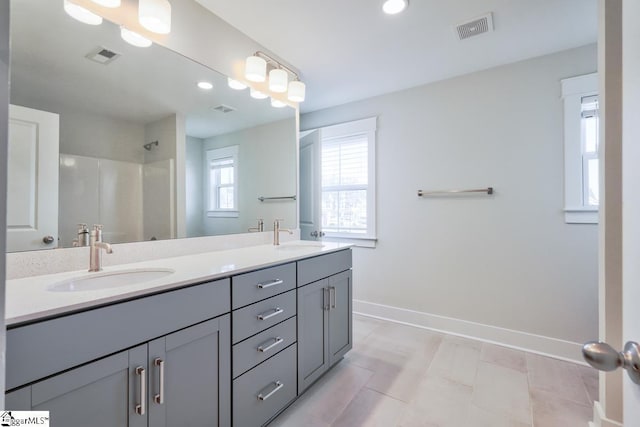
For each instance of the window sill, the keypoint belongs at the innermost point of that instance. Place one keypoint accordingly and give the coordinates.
(361, 242)
(581, 215)
(223, 214)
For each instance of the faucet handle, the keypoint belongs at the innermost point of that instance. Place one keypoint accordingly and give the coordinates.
(97, 227)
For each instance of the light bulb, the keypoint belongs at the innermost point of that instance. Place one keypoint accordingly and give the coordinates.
(391, 7)
(155, 15)
(278, 80)
(255, 69)
(107, 3)
(81, 14)
(297, 91)
(134, 38)
(234, 84)
(277, 103)
(257, 94)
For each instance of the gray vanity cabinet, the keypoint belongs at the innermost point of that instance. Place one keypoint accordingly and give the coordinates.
(180, 379)
(324, 316)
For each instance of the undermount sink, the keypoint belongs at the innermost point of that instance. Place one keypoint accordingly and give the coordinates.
(109, 280)
(300, 245)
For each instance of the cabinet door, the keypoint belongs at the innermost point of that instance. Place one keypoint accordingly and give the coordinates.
(340, 318)
(95, 394)
(313, 330)
(190, 376)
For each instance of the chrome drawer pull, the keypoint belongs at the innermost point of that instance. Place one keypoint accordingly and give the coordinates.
(270, 283)
(277, 342)
(278, 384)
(333, 297)
(141, 408)
(276, 311)
(159, 398)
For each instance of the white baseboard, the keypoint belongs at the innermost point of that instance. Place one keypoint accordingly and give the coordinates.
(546, 346)
(600, 419)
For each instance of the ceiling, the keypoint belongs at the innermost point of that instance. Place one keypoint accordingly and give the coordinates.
(49, 71)
(350, 50)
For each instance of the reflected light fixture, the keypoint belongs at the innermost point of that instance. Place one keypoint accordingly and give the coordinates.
(277, 103)
(81, 14)
(257, 94)
(278, 80)
(205, 85)
(391, 7)
(107, 3)
(235, 84)
(134, 38)
(155, 15)
(256, 71)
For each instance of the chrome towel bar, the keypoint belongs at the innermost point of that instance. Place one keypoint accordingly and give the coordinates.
(488, 190)
(262, 198)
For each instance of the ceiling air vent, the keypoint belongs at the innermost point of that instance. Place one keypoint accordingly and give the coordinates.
(102, 55)
(480, 25)
(224, 108)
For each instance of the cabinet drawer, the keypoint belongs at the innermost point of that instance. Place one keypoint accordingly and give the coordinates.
(316, 268)
(258, 285)
(261, 347)
(262, 315)
(82, 337)
(265, 390)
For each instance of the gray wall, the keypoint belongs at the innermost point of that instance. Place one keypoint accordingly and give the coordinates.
(509, 260)
(4, 114)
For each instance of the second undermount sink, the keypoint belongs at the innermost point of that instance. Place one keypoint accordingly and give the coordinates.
(109, 280)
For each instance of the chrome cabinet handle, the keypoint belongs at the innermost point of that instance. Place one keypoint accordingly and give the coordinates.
(141, 408)
(159, 398)
(603, 357)
(275, 312)
(278, 386)
(325, 300)
(332, 296)
(270, 283)
(277, 342)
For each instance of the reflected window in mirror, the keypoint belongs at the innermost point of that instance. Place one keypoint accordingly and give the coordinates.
(222, 166)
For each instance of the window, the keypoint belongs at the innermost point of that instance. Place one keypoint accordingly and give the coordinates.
(222, 182)
(581, 145)
(347, 180)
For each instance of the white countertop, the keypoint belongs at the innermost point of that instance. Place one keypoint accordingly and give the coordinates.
(29, 299)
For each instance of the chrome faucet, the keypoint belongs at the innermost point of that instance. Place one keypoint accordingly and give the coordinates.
(83, 236)
(95, 246)
(277, 230)
(259, 228)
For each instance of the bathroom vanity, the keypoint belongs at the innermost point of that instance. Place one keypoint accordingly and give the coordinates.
(228, 338)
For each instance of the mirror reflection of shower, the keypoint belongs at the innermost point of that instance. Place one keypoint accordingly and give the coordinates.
(150, 145)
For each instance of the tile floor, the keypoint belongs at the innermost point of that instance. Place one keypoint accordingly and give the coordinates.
(401, 376)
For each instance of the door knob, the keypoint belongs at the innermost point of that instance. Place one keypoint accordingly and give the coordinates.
(314, 234)
(47, 240)
(603, 357)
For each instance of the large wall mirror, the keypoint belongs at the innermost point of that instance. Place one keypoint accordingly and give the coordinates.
(103, 132)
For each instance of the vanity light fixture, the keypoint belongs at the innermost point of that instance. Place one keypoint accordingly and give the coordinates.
(107, 3)
(235, 84)
(81, 14)
(256, 71)
(205, 85)
(392, 7)
(277, 103)
(257, 94)
(134, 38)
(155, 15)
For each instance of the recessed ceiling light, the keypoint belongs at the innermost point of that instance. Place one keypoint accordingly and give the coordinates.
(391, 7)
(205, 85)
(134, 38)
(234, 84)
